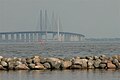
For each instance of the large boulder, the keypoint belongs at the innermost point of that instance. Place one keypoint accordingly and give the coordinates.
(103, 65)
(115, 61)
(31, 66)
(47, 65)
(4, 64)
(43, 60)
(117, 65)
(36, 60)
(28, 60)
(21, 67)
(110, 65)
(96, 63)
(54, 62)
(11, 65)
(90, 64)
(103, 57)
(95, 57)
(79, 63)
(1, 67)
(66, 64)
(39, 66)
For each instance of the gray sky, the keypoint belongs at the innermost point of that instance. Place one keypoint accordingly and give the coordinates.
(93, 18)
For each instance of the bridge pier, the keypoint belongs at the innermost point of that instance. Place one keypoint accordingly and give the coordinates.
(67, 37)
(31, 37)
(27, 37)
(6, 37)
(22, 37)
(39, 37)
(17, 37)
(0, 37)
(12, 37)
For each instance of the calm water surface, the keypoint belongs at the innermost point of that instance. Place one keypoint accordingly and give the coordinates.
(61, 75)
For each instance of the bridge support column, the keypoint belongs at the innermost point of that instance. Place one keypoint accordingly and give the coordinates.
(27, 37)
(35, 37)
(22, 37)
(6, 37)
(0, 37)
(39, 37)
(31, 37)
(12, 37)
(17, 37)
(67, 37)
(53, 36)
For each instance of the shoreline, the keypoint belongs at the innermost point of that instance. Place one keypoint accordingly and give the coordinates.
(53, 63)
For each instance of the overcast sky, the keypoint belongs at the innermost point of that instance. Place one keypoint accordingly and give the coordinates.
(93, 18)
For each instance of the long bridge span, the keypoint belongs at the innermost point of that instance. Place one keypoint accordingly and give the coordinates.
(36, 36)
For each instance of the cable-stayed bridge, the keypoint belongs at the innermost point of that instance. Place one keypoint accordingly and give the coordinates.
(48, 31)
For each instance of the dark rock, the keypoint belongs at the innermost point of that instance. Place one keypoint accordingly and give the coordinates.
(103, 65)
(117, 65)
(31, 66)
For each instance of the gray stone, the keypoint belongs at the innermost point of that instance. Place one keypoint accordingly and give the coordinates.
(81, 62)
(95, 57)
(23, 60)
(103, 66)
(97, 63)
(31, 66)
(4, 64)
(90, 64)
(103, 57)
(18, 63)
(47, 65)
(11, 65)
(43, 60)
(115, 61)
(54, 62)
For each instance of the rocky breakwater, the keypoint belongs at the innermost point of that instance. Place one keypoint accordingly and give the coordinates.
(42, 63)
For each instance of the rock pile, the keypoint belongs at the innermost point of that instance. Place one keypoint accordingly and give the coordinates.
(41, 63)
